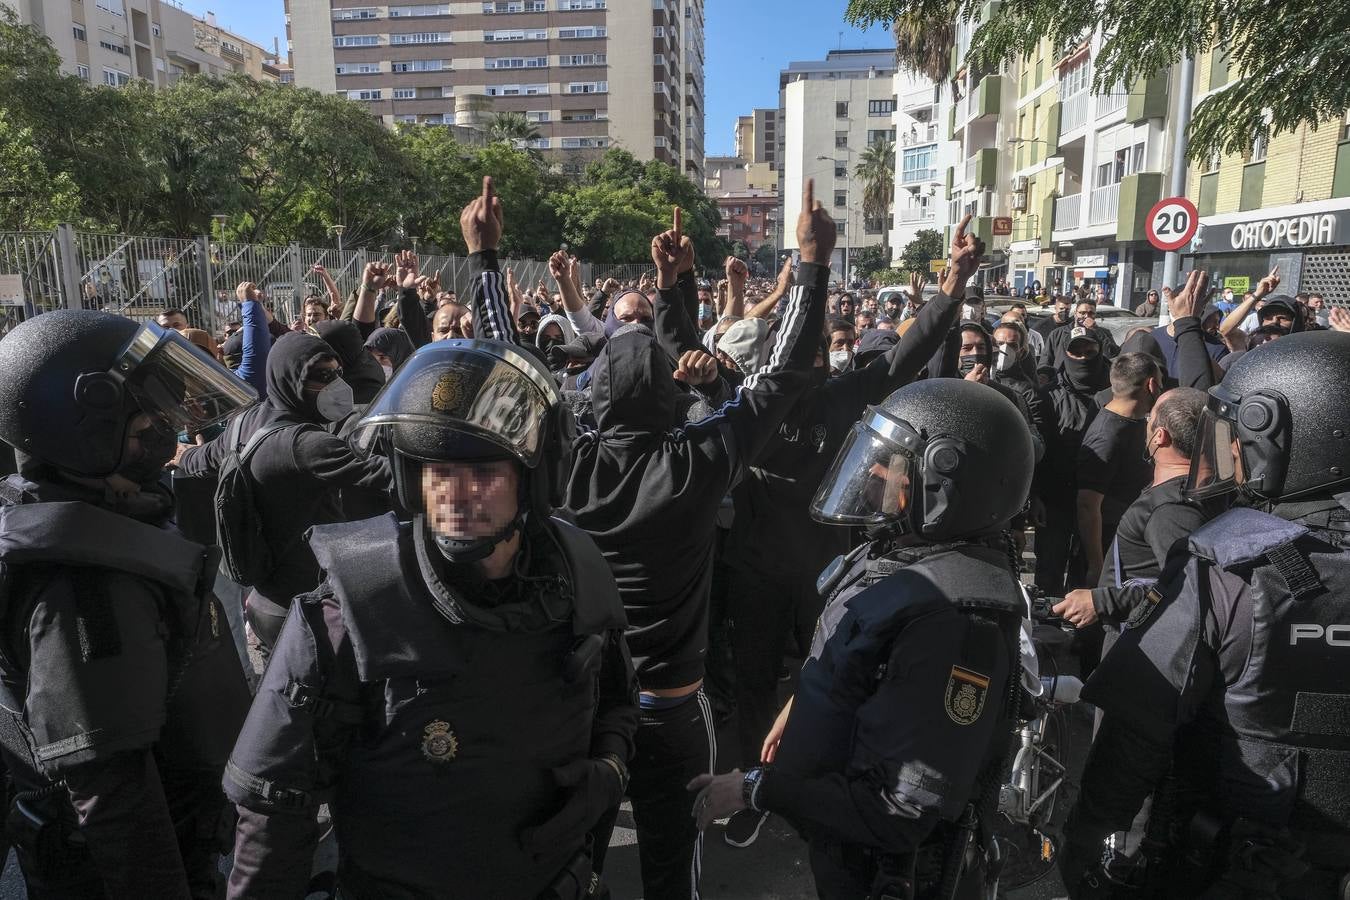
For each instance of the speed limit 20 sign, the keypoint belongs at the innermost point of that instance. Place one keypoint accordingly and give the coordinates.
(1172, 223)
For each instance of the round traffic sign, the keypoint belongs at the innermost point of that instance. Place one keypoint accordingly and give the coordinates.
(1172, 223)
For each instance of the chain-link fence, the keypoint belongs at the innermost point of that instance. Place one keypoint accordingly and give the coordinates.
(139, 276)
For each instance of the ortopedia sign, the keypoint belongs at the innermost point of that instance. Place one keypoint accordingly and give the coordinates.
(1295, 231)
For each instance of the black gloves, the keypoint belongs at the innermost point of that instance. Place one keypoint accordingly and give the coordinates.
(594, 787)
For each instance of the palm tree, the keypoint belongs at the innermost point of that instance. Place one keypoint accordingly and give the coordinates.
(512, 128)
(876, 171)
(923, 44)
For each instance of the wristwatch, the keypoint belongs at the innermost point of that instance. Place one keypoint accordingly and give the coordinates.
(750, 788)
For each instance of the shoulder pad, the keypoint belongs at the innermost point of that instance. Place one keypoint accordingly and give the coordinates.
(1241, 536)
(596, 606)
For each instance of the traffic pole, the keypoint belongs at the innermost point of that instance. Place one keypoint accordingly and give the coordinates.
(1182, 122)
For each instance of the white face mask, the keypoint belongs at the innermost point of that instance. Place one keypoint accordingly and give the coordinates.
(840, 360)
(335, 401)
(388, 371)
(1005, 358)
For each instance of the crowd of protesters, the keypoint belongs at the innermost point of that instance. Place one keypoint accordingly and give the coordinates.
(706, 528)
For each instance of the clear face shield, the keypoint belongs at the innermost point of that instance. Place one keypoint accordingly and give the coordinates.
(1216, 464)
(871, 479)
(178, 384)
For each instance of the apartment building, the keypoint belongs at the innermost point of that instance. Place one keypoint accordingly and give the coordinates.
(750, 217)
(113, 41)
(1061, 179)
(922, 156)
(723, 174)
(829, 112)
(589, 74)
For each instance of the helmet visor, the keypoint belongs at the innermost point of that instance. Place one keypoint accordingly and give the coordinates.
(176, 382)
(462, 400)
(1216, 464)
(870, 480)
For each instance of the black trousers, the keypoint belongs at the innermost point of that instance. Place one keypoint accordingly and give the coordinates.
(672, 746)
(1059, 556)
(764, 609)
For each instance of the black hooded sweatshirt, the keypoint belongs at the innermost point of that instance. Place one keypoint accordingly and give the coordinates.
(1068, 406)
(359, 368)
(648, 489)
(299, 470)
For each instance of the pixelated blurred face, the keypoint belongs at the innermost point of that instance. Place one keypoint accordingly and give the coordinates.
(466, 500)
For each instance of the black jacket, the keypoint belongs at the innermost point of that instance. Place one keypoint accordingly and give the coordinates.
(300, 471)
(647, 487)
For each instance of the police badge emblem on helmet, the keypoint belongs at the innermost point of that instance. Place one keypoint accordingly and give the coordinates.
(439, 743)
(965, 695)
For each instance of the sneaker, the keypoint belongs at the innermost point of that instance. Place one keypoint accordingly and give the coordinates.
(743, 827)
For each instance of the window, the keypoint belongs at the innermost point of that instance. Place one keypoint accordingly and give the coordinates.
(579, 4)
(406, 118)
(419, 9)
(356, 40)
(154, 29)
(738, 210)
(80, 34)
(115, 77)
(876, 137)
(115, 48)
(515, 90)
(579, 115)
(1123, 161)
(880, 107)
(841, 198)
(840, 227)
(588, 87)
(367, 94)
(420, 37)
(840, 171)
(232, 47)
(874, 226)
(581, 59)
(418, 65)
(590, 31)
(841, 138)
(539, 144)
(516, 62)
(368, 68)
(918, 165)
(115, 7)
(582, 143)
(83, 72)
(405, 93)
(537, 116)
(515, 6)
(516, 34)
(358, 12)
(841, 109)
(1258, 151)
(1075, 80)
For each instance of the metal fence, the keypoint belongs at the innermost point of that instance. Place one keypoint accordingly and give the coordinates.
(139, 276)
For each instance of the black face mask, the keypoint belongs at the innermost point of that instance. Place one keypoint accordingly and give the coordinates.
(1062, 316)
(546, 343)
(967, 364)
(1083, 374)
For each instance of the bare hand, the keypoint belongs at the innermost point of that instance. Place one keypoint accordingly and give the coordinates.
(978, 373)
(696, 368)
(737, 274)
(666, 258)
(407, 269)
(816, 232)
(560, 267)
(374, 276)
(785, 277)
(917, 280)
(1077, 608)
(1190, 299)
(318, 269)
(770, 748)
(481, 220)
(1268, 284)
(1339, 318)
(718, 796)
(609, 287)
(965, 259)
(247, 290)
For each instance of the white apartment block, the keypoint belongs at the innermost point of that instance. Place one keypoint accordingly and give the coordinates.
(589, 74)
(114, 41)
(922, 156)
(830, 111)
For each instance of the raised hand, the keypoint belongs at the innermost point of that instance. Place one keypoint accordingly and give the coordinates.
(560, 267)
(1268, 284)
(609, 287)
(407, 269)
(696, 367)
(737, 274)
(784, 277)
(816, 232)
(1339, 319)
(917, 280)
(481, 221)
(374, 276)
(247, 290)
(1191, 298)
(965, 259)
(683, 245)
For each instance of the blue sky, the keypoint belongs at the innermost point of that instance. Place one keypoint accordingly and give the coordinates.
(747, 43)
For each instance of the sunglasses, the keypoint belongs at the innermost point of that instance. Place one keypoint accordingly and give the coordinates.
(324, 376)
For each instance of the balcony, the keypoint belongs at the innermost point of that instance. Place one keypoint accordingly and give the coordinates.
(988, 97)
(1068, 212)
(1104, 203)
(986, 168)
(916, 214)
(1074, 112)
(1113, 102)
(919, 99)
(926, 134)
(917, 176)
(969, 177)
(1147, 99)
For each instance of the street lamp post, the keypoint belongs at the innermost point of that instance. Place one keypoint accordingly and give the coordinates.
(337, 230)
(848, 202)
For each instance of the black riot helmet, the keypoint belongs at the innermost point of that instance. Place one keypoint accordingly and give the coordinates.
(72, 380)
(1278, 426)
(938, 459)
(472, 401)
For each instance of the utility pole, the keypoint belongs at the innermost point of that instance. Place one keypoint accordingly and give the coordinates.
(1172, 261)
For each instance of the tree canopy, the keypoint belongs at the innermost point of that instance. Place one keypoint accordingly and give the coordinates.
(280, 163)
(1282, 57)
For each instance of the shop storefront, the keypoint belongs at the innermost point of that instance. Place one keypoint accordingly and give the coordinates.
(1309, 242)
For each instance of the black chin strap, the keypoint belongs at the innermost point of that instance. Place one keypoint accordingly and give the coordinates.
(475, 549)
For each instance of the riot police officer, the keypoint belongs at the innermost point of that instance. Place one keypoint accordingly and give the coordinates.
(888, 757)
(1235, 672)
(458, 689)
(120, 686)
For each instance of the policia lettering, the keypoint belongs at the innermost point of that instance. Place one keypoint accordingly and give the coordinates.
(121, 692)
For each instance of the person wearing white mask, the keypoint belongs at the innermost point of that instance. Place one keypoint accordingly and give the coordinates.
(842, 338)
